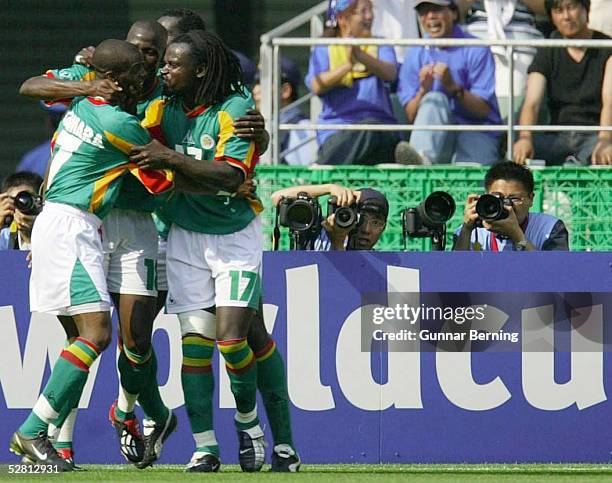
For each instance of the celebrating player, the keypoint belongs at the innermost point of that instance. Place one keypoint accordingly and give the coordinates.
(86, 172)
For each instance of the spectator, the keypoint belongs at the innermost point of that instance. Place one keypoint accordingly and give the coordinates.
(36, 160)
(509, 19)
(17, 226)
(450, 85)
(352, 83)
(578, 83)
(372, 209)
(301, 154)
(521, 230)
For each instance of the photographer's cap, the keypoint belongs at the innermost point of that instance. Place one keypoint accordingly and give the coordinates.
(374, 201)
(441, 3)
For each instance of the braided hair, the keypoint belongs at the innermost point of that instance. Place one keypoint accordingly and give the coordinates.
(223, 74)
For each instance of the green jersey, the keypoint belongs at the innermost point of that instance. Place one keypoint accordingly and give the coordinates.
(133, 195)
(90, 157)
(208, 133)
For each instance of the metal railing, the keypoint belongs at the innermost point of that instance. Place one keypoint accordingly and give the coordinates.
(270, 80)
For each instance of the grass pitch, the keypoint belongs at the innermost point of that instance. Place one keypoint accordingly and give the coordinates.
(339, 473)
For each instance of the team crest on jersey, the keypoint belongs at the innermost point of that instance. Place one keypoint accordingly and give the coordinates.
(207, 142)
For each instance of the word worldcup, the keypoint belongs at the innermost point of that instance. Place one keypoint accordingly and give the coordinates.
(21, 375)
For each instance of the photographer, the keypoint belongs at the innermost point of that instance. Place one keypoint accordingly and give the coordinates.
(372, 209)
(19, 205)
(505, 223)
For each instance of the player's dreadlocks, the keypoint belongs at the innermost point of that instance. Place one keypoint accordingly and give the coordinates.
(223, 74)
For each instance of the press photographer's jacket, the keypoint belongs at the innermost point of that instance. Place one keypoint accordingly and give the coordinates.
(545, 232)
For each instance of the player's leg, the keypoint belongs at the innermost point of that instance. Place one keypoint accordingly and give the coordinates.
(272, 385)
(63, 390)
(131, 280)
(235, 259)
(191, 289)
(138, 370)
(67, 279)
(198, 343)
(61, 437)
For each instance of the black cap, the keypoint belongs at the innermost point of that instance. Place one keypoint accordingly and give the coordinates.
(374, 201)
(290, 72)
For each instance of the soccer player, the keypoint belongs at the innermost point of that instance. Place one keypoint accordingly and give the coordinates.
(130, 246)
(86, 172)
(215, 243)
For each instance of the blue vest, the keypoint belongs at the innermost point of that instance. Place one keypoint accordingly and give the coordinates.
(539, 226)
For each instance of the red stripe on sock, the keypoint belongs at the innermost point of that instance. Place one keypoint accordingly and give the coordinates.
(230, 341)
(196, 370)
(243, 370)
(267, 348)
(70, 357)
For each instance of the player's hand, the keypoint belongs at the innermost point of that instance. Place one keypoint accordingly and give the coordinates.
(522, 150)
(7, 207)
(602, 154)
(337, 235)
(104, 88)
(248, 188)
(29, 259)
(469, 212)
(152, 156)
(443, 74)
(344, 196)
(508, 226)
(252, 126)
(426, 77)
(84, 56)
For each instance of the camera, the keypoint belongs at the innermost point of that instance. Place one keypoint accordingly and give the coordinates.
(28, 203)
(302, 215)
(492, 207)
(429, 219)
(346, 216)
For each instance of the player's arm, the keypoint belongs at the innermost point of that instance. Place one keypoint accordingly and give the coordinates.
(155, 155)
(48, 89)
(67, 83)
(344, 196)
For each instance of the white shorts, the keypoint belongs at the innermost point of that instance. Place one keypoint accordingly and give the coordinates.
(162, 278)
(214, 270)
(129, 239)
(67, 262)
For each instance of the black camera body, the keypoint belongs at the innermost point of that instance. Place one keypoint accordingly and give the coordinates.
(429, 219)
(302, 215)
(345, 216)
(492, 207)
(28, 203)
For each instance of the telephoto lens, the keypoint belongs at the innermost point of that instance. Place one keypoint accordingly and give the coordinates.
(437, 209)
(492, 207)
(28, 203)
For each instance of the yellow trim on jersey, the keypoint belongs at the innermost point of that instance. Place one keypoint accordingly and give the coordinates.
(153, 114)
(255, 204)
(226, 130)
(91, 75)
(101, 186)
(121, 144)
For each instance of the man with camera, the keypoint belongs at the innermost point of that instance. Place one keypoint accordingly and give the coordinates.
(19, 205)
(500, 219)
(356, 219)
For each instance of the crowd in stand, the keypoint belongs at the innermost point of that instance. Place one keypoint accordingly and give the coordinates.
(457, 84)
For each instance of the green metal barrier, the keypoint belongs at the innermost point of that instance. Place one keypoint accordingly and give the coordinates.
(581, 197)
